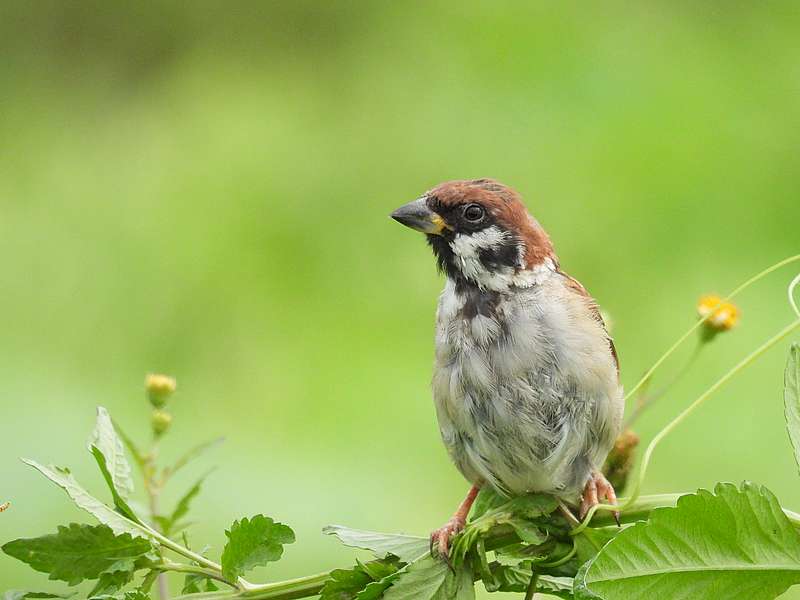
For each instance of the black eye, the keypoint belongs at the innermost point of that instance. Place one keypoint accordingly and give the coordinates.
(474, 212)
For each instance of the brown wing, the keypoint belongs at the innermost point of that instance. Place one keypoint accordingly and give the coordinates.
(576, 286)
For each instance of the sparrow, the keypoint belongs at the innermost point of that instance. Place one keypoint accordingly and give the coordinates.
(526, 377)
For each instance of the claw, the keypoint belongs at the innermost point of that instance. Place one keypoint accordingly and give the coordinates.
(440, 539)
(598, 487)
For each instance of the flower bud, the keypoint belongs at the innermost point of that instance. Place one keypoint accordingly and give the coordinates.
(159, 388)
(160, 420)
(720, 316)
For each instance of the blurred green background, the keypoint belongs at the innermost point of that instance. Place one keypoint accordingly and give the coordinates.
(202, 189)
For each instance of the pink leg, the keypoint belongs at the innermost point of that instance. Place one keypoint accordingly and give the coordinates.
(597, 487)
(440, 539)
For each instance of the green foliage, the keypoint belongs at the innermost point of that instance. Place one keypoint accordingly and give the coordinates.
(80, 552)
(528, 516)
(169, 523)
(195, 583)
(791, 399)
(104, 438)
(486, 500)
(732, 543)
(119, 503)
(432, 579)
(253, 543)
(192, 454)
(516, 578)
(407, 548)
(362, 582)
(729, 543)
(63, 478)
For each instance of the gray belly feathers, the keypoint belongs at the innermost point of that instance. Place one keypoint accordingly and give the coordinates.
(525, 387)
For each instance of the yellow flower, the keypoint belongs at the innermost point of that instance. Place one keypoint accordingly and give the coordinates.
(719, 315)
(159, 388)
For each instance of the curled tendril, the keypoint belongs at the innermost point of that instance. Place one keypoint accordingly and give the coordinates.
(792, 302)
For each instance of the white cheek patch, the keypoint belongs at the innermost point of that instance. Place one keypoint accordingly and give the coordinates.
(468, 246)
(467, 249)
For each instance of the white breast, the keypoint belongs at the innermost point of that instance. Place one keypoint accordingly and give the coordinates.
(525, 386)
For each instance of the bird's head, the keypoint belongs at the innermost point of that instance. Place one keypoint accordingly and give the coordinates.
(481, 234)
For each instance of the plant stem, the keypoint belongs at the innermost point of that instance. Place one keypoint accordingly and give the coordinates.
(152, 489)
(301, 587)
(183, 551)
(531, 591)
(292, 588)
(168, 565)
(694, 327)
(501, 536)
(744, 363)
(649, 399)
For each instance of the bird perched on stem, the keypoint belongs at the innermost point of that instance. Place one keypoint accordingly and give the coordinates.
(526, 379)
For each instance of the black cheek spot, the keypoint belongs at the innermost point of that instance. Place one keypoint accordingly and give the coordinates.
(507, 255)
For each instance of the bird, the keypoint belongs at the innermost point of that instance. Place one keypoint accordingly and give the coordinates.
(526, 381)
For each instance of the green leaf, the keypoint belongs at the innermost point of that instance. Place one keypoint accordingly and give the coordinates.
(592, 539)
(192, 454)
(345, 584)
(520, 512)
(791, 399)
(528, 532)
(113, 579)
(487, 499)
(375, 590)
(431, 579)
(104, 437)
(195, 583)
(21, 595)
(407, 548)
(77, 552)
(734, 543)
(119, 503)
(362, 582)
(516, 578)
(531, 506)
(253, 543)
(181, 508)
(561, 587)
(106, 515)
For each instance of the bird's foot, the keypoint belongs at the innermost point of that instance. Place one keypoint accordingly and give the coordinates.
(597, 488)
(440, 539)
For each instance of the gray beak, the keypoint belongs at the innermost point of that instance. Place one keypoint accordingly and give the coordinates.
(419, 217)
